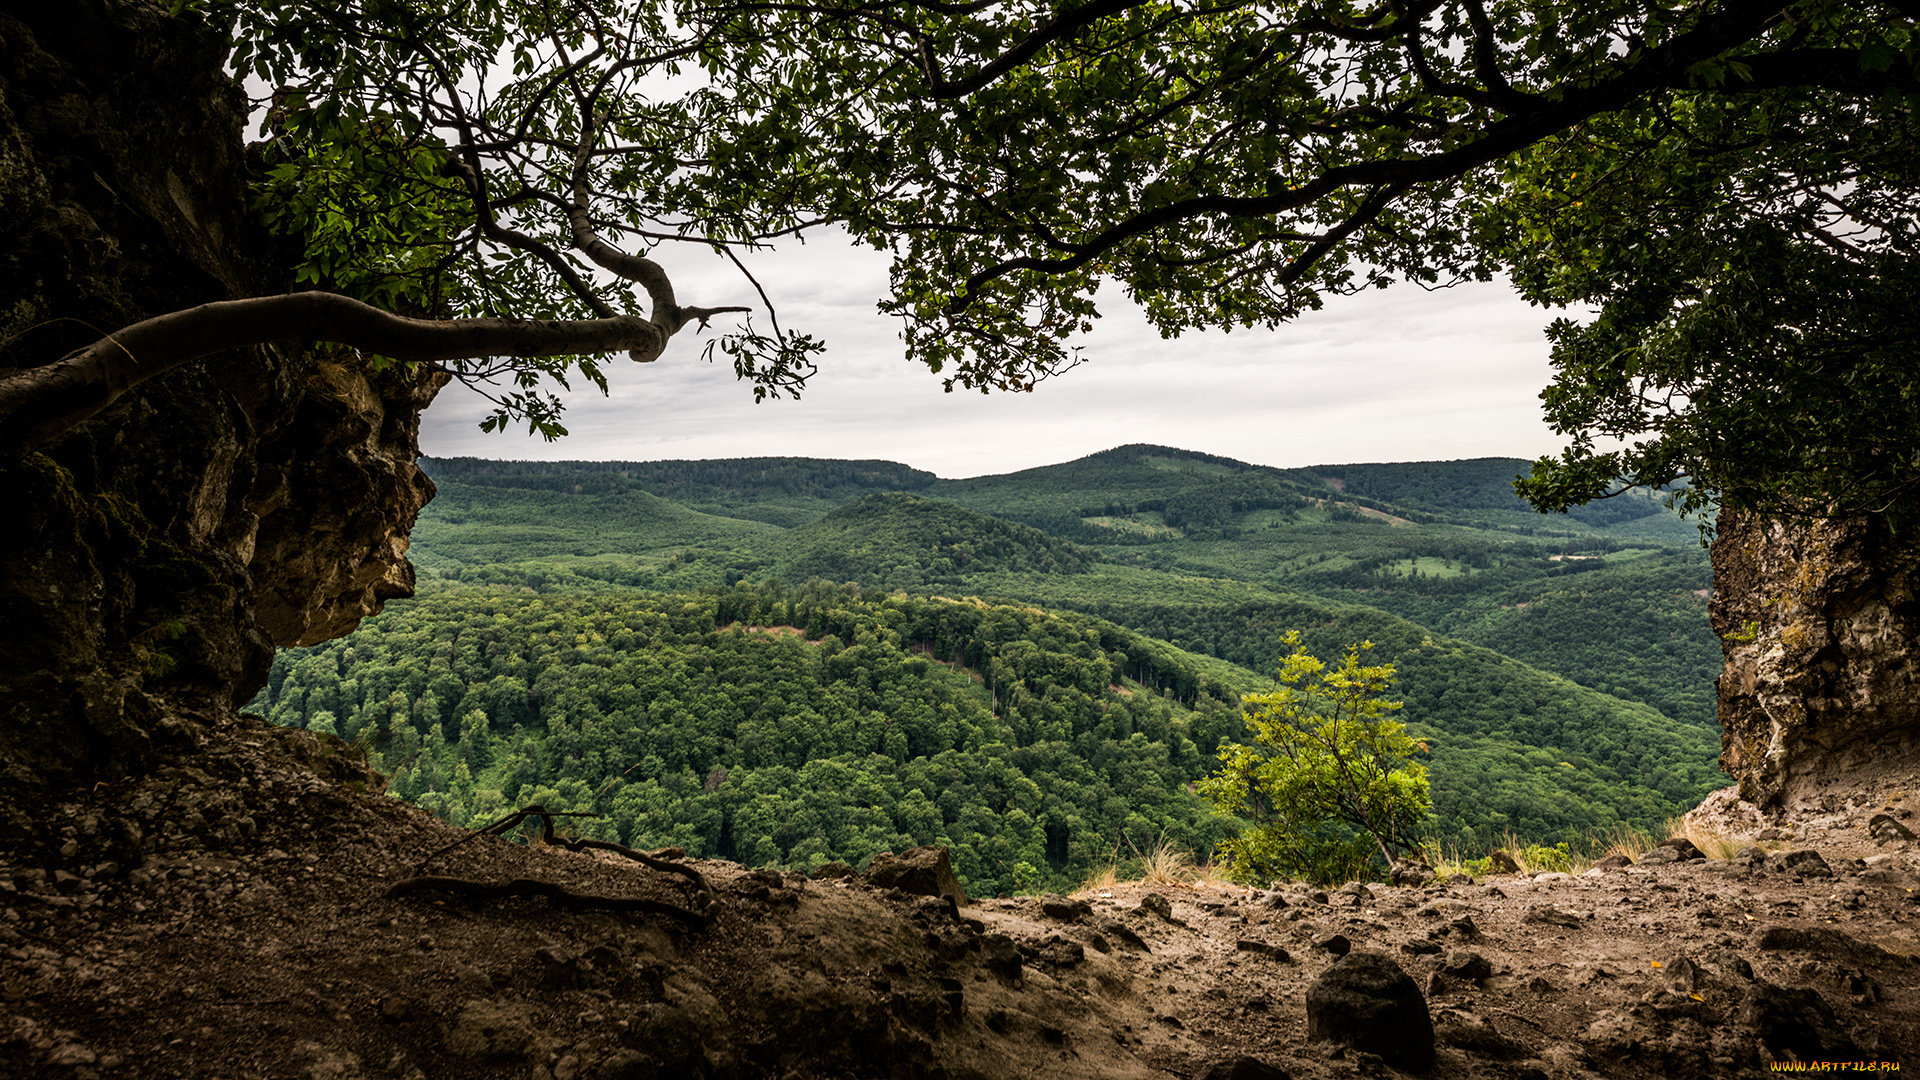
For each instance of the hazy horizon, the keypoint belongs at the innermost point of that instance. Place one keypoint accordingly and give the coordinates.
(1396, 375)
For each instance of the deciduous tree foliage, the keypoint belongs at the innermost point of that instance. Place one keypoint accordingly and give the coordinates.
(1329, 773)
(1751, 262)
(1731, 183)
(475, 186)
(781, 726)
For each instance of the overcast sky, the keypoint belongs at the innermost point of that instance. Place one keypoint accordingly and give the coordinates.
(1399, 375)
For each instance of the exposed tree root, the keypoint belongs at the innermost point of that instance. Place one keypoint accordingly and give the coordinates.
(499, 827)
(642, 858)
(556, 893)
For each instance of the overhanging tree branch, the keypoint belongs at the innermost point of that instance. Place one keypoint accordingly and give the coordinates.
(1667, 66)
(37, 404)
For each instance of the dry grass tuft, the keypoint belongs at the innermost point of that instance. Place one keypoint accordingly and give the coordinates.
(1448, 861)
(1106, 877)
(1626, 840)
(1533, 858)
(1213, 874)
(1165, 864)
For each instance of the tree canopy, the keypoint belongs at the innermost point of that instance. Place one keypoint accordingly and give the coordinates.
(1728, 185)
(1328, 771)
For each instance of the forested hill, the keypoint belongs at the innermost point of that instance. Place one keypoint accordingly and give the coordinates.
(778, 660)
(1618, 607)
(1207, 493)
(791, 726)
(1513, 747)
(882, 537)
(782, 727)
(1100, 498)
(1481, 490)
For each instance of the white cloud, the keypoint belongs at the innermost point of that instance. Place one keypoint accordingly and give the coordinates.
(1393, 375)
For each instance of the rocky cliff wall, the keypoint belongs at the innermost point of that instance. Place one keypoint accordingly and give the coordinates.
(152, 560)
(1819, 623)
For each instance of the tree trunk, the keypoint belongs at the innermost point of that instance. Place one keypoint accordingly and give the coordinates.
(152, 558)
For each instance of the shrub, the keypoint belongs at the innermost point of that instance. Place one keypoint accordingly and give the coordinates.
(1329, 780)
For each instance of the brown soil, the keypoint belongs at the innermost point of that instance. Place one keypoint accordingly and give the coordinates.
(226, 918)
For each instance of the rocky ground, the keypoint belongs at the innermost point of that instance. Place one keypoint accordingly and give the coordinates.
(229, 917)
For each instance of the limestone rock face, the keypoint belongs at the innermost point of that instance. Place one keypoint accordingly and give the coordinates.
(1820, 624)
(151, 560)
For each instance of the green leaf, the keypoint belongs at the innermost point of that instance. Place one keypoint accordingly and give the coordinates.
(1877, 55)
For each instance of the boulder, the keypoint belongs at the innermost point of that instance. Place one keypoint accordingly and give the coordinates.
(1725, 812)
(1364, 1001)
(922, 871)
(1001, 955)
(1155, 904)
(1471, 966)
(1884, 828)
(1683, 849)
(1412, 874)
(1337, 944)
(1795, 1020)
(1803, 863)
(1054, 906)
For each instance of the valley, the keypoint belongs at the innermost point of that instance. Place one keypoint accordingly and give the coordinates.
(790, 661)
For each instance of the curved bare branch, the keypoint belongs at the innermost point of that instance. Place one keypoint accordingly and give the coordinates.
(642, 271)
(37, 404)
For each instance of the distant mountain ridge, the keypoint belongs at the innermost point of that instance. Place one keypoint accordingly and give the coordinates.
(1135, 477)
(1444, 544)
(679, 479)
(1560, 669)
(731, 487)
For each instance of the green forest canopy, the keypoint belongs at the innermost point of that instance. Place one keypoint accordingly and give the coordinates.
(1730, 186)
(1619, 605)
(624, 661)
(790, 727)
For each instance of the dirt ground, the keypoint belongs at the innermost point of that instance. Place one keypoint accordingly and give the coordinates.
(228, 917)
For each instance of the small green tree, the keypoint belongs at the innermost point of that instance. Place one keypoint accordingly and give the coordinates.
(1330, 777)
